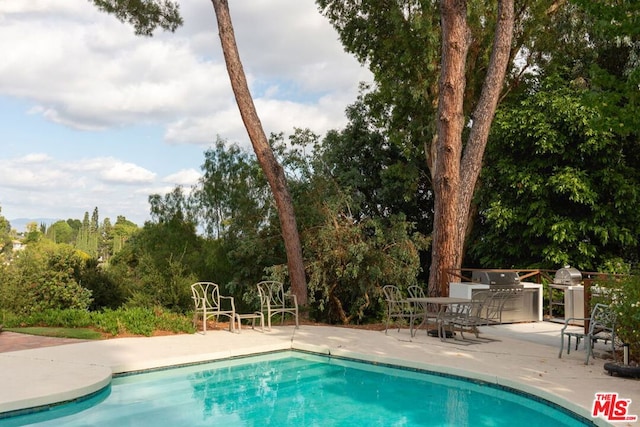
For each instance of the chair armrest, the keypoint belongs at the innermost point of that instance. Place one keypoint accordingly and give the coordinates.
(567, 321)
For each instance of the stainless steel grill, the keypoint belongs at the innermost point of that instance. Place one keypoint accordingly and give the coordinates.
(567, 283)
(519, 306)
(568, 276)
(496, 278)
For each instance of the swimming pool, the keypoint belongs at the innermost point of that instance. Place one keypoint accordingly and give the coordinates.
(298, 389)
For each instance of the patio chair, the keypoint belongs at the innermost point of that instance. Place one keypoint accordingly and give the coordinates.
(494, 305)
(398, 307)
(466, 317)
(601, 327)
(209, 304)
(273, 300)
(421, 309)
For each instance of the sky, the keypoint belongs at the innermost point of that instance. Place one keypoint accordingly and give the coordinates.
(93, 116)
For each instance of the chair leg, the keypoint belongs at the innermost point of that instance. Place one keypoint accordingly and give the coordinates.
(386, 328)
(588, 344)
(561, 346)
(204, 322)
(411, 333)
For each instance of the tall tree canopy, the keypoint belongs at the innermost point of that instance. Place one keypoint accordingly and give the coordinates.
(561, 172)
(440, 68)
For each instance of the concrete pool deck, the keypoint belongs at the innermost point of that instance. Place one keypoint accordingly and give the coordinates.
(522, 356)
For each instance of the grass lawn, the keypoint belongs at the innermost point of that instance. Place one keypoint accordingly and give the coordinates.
(79, 333)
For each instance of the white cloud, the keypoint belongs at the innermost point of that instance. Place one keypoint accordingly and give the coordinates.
(86, 70)
(34, 158)
(85, 73)
(185, 177)
(41, 183)
(127, 173)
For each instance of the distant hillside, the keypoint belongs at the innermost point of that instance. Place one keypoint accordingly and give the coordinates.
(20, 224)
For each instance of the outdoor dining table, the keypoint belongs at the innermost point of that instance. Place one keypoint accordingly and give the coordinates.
(442, 303)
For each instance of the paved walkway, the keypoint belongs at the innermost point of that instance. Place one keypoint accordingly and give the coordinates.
(524, 356)
(11, 341)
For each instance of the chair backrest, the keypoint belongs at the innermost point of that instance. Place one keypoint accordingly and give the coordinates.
(271, 294)
(394, 298)
(391, 293)
(603, 319)
(416, 291)
(205, 294)
(479, 302)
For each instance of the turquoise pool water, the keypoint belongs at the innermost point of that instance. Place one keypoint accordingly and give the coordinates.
(298, 389)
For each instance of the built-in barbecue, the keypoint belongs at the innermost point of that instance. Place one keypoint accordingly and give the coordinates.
(566, 295)
(523, 306)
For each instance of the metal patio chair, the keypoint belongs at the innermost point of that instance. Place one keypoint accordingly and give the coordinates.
(273, 300)
(602, 324)
(422, 310)
(465, 317)
(494, 306)
(398, 308)
(210, 304)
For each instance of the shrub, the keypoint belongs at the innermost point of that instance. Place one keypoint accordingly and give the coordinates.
(42, 277)
(136, 321)
(623, 295)
(351, 259)
(142, 321)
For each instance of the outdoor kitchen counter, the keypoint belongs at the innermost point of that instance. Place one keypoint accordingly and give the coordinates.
(526, 309)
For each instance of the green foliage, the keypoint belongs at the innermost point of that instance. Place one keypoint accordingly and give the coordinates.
(159, 263)
(63, 318)
(5, 237)
(136, 321)
(380, 178)
(141, 321)
(107, 291)
(33, 234)
(623, 295)
(61, 232)
(237, 211)
(43, 276)
(400, 43)
(350, 261)
(560, 183)
(97, 240)
(235, 204)
(144, 15)
(232, 196)
(122, 230)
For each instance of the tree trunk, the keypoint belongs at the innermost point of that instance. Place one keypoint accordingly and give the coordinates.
(455, 176)
(272, 169)
(450, 122)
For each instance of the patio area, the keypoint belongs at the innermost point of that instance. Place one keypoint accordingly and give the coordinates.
(522, 356)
